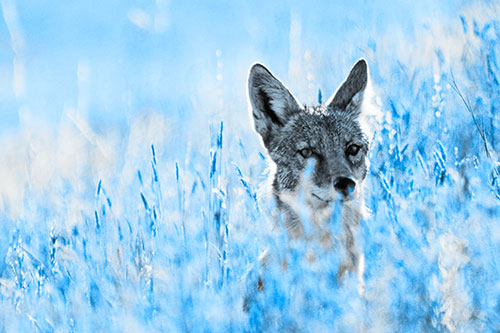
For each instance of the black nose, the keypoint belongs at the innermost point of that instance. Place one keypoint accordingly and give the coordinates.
(344, 185)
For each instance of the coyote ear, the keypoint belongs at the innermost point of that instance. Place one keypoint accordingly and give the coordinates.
(272, 103)
(350, 93)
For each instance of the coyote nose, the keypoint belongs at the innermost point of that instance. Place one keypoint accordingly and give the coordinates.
(344, 185)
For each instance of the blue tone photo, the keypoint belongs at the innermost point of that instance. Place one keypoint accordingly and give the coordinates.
(249, 166)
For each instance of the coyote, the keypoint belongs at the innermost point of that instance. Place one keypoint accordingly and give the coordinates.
(318, 153)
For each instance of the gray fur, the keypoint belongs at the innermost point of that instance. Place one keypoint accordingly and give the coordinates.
(328, 130)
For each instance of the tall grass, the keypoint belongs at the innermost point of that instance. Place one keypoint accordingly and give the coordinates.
(176, 247)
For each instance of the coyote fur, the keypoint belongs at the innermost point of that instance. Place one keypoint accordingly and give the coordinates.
(319, 155)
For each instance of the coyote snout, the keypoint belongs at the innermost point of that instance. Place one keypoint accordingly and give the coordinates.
(345, 186)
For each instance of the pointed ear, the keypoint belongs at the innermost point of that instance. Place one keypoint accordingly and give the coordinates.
(272, 103)
(350, 94)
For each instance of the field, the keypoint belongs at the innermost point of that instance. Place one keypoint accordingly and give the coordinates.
(156, 222)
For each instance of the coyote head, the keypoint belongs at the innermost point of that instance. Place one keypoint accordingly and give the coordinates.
(318, 150)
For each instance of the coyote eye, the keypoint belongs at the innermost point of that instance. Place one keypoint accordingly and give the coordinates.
(353, 150)
(306, 152)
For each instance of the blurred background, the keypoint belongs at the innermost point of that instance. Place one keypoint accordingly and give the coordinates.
(111, 60)
(132, 185)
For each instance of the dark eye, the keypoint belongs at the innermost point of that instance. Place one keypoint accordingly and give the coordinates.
(306, 152)
(353, 150)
